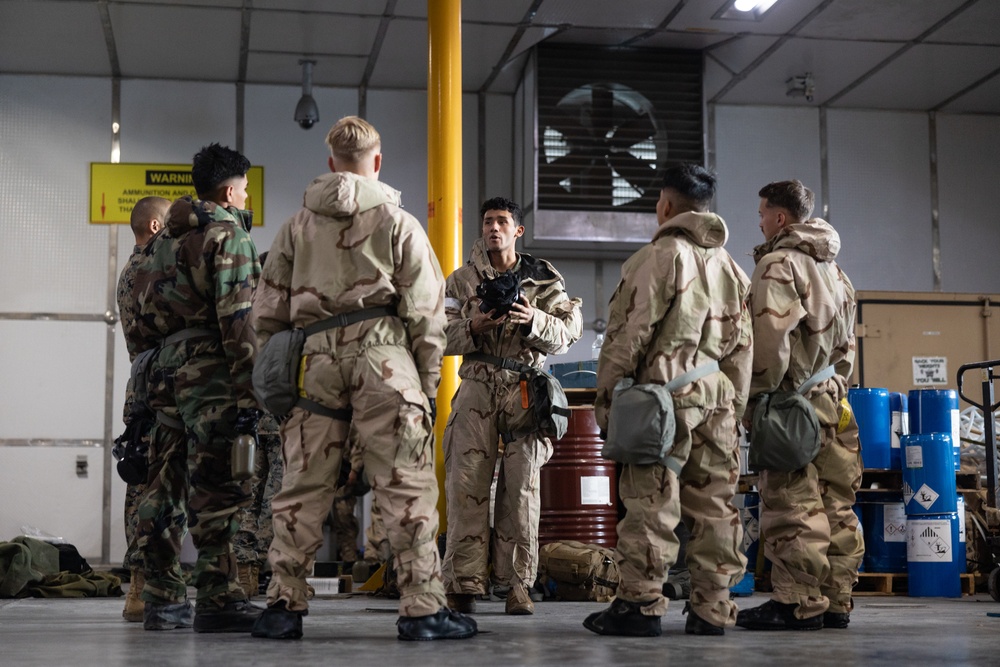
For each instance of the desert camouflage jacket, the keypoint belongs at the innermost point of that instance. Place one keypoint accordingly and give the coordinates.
(557, 323)
(803, 310)
(352, 247)
(681, 303)
(200, 272)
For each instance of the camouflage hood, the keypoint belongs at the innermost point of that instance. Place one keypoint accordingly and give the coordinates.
(815, 237)
(706, 229)
(343, 194)
(528, 268)
(188, 213)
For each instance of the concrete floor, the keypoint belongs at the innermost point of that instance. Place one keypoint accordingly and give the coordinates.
(360, 630)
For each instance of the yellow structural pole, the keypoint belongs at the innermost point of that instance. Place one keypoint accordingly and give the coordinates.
(444, 179)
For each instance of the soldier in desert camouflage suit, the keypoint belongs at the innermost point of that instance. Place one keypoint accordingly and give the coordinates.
(146, 220)
(543, 321)
(803, 309)
(680, 305)
(194, 288)
(349, 249)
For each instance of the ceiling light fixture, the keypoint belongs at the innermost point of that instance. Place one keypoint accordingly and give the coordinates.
(306, 111)
(744, 10)
(801, 86)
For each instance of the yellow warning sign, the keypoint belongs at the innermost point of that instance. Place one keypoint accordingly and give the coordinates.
(116, 187)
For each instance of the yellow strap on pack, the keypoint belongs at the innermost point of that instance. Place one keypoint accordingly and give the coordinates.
(845, 415)
(302, 376)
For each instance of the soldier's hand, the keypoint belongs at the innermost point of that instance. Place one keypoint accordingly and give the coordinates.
(521, 311)
(483, 322)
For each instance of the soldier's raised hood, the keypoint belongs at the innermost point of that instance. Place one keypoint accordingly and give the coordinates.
(815, 237)
(705, 229)
(343, 194)
(528, 268)
(188, 213)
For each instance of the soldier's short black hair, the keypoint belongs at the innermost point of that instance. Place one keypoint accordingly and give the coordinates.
(694, 184)
(501, 204)
(214, 164)
(792, 196)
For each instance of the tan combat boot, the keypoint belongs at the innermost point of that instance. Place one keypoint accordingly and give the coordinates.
(519, 602)
(133, 603)
(248, 576)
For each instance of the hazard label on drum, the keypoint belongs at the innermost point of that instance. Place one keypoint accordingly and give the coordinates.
(929, 541)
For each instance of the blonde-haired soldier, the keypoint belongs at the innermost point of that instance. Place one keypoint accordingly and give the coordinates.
(352, 261)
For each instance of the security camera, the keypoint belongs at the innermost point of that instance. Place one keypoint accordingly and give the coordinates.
(801, 86)
(306, 111)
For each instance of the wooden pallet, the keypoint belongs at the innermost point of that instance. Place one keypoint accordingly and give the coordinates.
(889, 583)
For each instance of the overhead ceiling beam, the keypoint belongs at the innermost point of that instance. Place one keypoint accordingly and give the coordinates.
(383, 27)
(972, 86)
(245, 13)
(899, 52)
(770, 51)
(522, 27)
(109, 38)
(661, 27)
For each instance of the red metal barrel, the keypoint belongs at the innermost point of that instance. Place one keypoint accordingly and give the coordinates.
(579, 489)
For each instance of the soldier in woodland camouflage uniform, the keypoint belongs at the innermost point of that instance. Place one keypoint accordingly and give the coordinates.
(680, 306)
(803, 309)
(194, 288)
(353, 252)
(146, 220)
(544, 320)
(254, 537)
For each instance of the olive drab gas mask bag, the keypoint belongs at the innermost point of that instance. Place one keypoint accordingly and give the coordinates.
(785, 432)
(276, 369)
(641, 422)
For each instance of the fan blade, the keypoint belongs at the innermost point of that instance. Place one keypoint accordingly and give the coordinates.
(602, 111)
(593, 186)
(639, 173)
(633, 131)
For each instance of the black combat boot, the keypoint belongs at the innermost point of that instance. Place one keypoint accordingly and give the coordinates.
(445, 624)
(233, 616)
(696, 625)
(277, 622)
(776, 616)
(623, 618)
(833, 619)
(167, 616)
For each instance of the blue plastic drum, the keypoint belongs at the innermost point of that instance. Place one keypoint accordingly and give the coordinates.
(871, 409)
(935, 558)
(928, 474)
(900, 425)
(885, 533)
(936, 411)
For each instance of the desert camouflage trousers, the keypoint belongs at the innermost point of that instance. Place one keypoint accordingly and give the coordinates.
(376, 540)
(190, 468)
(809, 529)
(478, 412)
(393, 421)
(254, 536)
(656, 499)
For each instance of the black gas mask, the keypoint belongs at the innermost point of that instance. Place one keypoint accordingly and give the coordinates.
(499, 294)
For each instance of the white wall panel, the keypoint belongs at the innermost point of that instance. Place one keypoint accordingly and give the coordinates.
(168, 121)
(753, 147)
(52, 379)
(51, 129)
(401, 119)
(39, 487)
(291, 157)
(880, 198)
(968, 147)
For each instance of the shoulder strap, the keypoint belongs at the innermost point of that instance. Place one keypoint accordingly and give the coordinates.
(816, 378)
(696, 373)
(344, 319)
